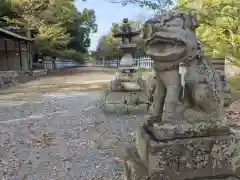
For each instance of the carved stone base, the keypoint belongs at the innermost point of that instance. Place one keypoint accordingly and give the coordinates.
(227, 99)
(117, 86)
(124, 102)
(128, 77)
(187, 158)
(127, 89)
(134, 169)
(130, 98)
(127, 82)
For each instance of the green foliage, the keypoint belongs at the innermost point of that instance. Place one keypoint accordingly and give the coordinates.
(160, 5)
(5, 7)
(219, 22)
(48, 49)
(59, 29)
(108, 46)
(5, 11)
(219, 26)
(84, 24)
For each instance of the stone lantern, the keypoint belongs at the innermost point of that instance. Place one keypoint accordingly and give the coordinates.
(127, 87)
(127, 79)
(127, 47)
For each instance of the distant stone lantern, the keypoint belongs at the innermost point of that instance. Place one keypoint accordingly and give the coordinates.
(128, 48)
(128, 86)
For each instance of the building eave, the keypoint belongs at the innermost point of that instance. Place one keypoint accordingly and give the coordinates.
(13, 35)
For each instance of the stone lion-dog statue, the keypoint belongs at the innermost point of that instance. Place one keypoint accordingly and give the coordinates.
(182, 74)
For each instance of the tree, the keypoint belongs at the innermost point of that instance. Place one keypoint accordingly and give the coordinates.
(54, 22)
(84, 24)
(6, 11)
(218, 25)
(108, 46)
(219, 21)
(160, 5)
(5, 7)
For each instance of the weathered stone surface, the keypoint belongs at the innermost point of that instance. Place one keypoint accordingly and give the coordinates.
(122, 97)
(226, 89)
(127, 61)
(187, 158)
(128, 48)
(117, 86)
(128, 77)
(8, 77)
(186, 137)
(128, 81)
(181, 71)
(126, 89)
(195, 158)
(122, 102)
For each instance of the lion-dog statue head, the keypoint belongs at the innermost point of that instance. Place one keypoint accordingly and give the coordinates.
(171, 38)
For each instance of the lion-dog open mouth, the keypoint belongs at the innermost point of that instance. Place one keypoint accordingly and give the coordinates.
(163, 47)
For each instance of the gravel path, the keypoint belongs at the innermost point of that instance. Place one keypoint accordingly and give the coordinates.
(62, 136)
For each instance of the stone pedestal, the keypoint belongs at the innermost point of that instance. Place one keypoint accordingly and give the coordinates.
(127, 61)
(186, 137)
(127, 82)
(180, 154)
(128, 87)
(226, 89)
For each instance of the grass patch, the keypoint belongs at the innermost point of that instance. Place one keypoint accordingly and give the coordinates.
(234, 82)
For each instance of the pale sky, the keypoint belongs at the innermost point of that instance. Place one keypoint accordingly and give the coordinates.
(108, 13)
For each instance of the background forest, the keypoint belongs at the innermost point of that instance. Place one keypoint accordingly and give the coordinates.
(60, 30)
(57, 27)
(219, 26)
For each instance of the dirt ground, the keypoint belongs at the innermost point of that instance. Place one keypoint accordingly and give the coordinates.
(61, 133)
(65, 80)
(51, 130)
(76, 79)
